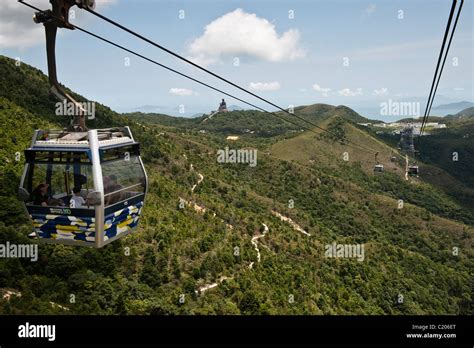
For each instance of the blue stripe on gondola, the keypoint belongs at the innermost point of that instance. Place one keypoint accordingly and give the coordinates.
(131, 213)
(50, 226)
(54, 226)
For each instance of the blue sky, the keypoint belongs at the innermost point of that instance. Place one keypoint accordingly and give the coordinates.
(287, 60)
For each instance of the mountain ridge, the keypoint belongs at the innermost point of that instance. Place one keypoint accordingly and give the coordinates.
(456, 105)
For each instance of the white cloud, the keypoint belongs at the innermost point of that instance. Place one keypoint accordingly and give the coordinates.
(181, 91)
(264, 86)
(239, 33)
(323, 91)
(17, 29)
(102, 3)
(346, 92)
(380, 92)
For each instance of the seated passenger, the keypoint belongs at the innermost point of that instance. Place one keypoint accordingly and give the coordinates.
(77, 201)
(114, 186)
(40, 195)
(106, 180)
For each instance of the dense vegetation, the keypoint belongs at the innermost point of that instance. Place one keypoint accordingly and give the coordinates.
(178, 249)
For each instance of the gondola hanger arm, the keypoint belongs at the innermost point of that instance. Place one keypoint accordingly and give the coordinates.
(58, 17)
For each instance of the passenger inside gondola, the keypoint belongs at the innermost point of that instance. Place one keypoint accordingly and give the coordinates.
(40, 195)
(115, 189)
(77, 201)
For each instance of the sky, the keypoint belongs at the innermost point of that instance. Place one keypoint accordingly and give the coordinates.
(341, 52)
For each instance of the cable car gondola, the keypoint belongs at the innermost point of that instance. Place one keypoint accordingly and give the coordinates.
(378, 168)
(413, 170)
(81, 187)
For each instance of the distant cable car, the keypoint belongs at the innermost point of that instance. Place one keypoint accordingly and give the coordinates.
(413, 170)
(393, 158)
(378, 168)
(79, 186)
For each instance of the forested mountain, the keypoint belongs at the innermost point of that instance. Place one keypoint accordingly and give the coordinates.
(249, 239)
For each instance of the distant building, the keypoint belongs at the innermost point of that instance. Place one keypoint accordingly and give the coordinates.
(435, 125)
(222, 106)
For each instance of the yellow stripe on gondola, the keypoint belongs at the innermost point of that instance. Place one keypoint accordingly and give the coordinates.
(118, 212)
(126, 222)
(64, 232)
(78, 223)
(67, 228)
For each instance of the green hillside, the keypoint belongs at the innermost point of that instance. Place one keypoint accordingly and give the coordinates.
(445, 177)
(466, 115)
(320, 112)
(179, 250)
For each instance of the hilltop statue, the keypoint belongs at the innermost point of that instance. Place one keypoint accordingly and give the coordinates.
(222, 106)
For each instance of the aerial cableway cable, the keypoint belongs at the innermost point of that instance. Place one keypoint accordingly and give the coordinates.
(437, 76)
(445, 56)
(164, 66)
(193, 79)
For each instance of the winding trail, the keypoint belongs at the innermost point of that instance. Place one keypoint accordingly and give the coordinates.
(291, 222)
(7, 294)
(201, 178)
(255, 245)
(406, 167)
(210, 116)
(198, 208)
(204, 288)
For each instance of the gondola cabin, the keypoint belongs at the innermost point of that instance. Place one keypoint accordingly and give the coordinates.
(378, 168)
(83, 188)
(413, 170)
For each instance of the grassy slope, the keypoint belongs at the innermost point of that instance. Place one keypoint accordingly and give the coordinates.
(177, 250)
(309, 148)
